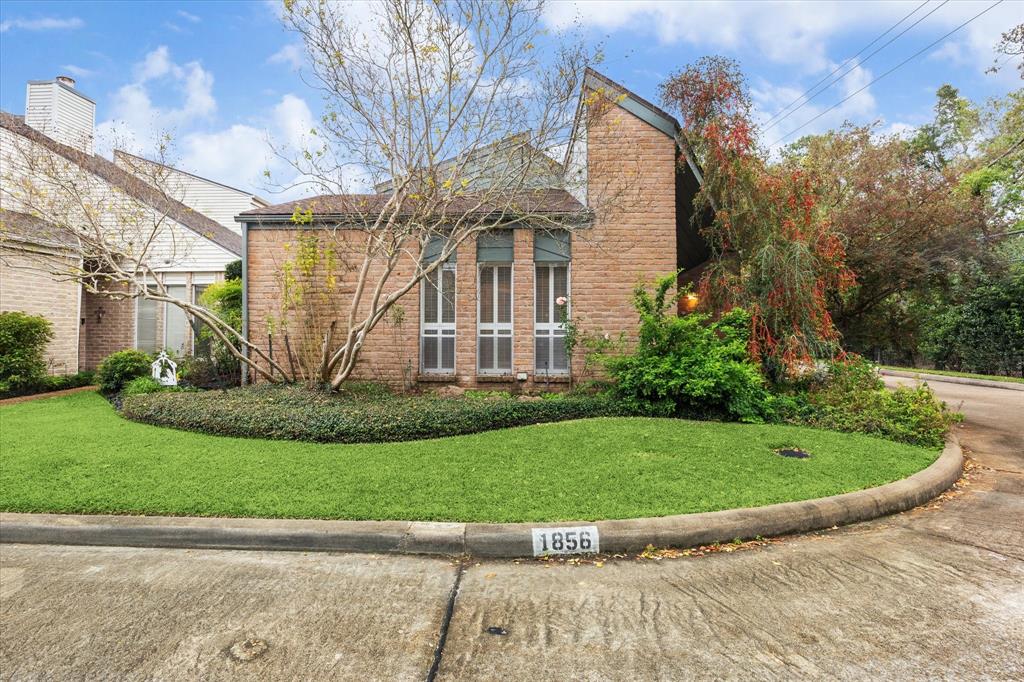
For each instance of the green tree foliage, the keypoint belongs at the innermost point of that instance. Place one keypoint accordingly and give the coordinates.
(689, 365)
(23, 340)
(983, 334)
(233, 270)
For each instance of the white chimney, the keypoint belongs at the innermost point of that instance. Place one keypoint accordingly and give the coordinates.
(58, 110)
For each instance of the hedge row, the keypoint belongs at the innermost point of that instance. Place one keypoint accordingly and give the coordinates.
(288, 413)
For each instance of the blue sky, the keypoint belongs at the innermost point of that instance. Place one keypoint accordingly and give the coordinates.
(224, 76)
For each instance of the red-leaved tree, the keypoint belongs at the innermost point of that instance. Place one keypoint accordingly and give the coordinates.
(774, 251)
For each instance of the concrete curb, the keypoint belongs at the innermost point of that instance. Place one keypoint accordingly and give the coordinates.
(482, 539)
(925, 376)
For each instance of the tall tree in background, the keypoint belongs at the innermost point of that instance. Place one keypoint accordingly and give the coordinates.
(774, 251)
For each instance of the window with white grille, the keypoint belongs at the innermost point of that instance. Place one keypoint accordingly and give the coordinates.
(551, 301)
(552, 283)
(494, 315)
(437, 321)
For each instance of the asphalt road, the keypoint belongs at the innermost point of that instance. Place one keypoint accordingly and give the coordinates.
(934, 593)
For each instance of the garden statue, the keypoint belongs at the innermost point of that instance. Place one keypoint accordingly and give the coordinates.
(165, 370)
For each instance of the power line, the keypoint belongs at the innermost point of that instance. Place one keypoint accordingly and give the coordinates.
(875, 80)
(850, 70)
(847, 61)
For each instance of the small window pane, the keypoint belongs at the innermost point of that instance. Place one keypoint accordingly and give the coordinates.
(448, 353)
(543, 294)
(176, 327)
(448, 296)
(487, 295)
(146, 325)
(504, 353)
(485, 348)
(430, 298)
(541, 353)
(430, 352)
(505, 294)
(559, 362)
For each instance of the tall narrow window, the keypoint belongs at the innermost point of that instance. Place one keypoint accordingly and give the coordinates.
(437, 314)
(145, 325)
(200, 344)
(551, 281)
(177, 331)
(494, 297)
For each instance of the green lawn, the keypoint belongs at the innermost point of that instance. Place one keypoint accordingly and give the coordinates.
(951, 373)
(74, 454)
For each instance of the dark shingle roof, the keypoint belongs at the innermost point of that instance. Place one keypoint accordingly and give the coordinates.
(28, 229)
(130, 185)
(542, 201)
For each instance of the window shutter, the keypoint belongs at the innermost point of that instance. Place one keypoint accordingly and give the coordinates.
(551, 246)
(495, 247)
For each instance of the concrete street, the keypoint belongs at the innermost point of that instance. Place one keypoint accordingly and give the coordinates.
(934, 593)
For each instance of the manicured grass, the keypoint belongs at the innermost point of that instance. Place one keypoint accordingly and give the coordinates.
(74, 454)
(950, 373)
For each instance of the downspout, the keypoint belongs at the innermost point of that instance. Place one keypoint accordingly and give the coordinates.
(245, 298)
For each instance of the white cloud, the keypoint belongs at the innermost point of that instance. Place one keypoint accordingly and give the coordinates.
(78, 71)
(798, 34)
(289, 54)
(188, 16)
(41, 24)
(135, 116)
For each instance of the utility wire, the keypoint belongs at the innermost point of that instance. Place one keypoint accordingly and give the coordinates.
(850, 70)
(847, 61)
(875, 80)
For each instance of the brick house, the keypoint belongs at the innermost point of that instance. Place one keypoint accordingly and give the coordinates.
(201, 236)
(489, 316)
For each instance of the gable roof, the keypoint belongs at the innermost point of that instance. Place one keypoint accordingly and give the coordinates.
(135, 157)
(633, 103)
(130, 185)
(541, 201)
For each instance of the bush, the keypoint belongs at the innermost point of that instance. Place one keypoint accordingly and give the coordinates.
(293, 413)
(690, 365)
(854, 398)
(141, 386)
(47, 384)
(23, 340)
(233, 270)
(119, 368)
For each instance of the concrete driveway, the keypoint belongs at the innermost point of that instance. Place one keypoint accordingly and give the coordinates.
(934, 593)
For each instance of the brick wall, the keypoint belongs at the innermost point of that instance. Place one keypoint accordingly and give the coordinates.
(108, 326)
(26, 286)
(631, 170)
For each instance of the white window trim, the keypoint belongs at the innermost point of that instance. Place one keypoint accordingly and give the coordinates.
(549, 328)
(495, 327)
(440, 327)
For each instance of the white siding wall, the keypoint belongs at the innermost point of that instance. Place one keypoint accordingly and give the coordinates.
(215, 201)
(171, 246)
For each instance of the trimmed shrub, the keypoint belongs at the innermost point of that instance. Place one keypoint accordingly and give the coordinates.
(23, 340)
(119, 368)
(233, 270)
(293, 413)
(141, 386)
(690, 365)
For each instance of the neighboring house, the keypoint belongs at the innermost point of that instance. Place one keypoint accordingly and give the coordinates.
(489, 316)
(191, 252)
